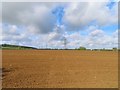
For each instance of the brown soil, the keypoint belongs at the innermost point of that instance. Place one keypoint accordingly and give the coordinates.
(59, 69)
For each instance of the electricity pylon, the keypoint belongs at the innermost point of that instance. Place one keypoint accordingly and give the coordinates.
(65, 43)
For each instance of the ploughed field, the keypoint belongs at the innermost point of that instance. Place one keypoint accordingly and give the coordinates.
(59, 69)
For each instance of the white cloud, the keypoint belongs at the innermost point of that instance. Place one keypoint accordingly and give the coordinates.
(40, 29)
(97, 33)
(57, 34)
(79, 15)
(10, 34)
(99, 39)
(37, 17)
(95, 38)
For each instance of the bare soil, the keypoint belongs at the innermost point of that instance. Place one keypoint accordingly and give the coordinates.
(59, 69)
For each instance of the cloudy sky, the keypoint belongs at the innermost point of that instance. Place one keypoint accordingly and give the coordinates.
(41, 24)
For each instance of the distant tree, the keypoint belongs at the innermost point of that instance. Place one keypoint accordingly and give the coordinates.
(81, 48)
(104, 49)
(114, 49)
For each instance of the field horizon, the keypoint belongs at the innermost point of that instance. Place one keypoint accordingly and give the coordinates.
(21, 47)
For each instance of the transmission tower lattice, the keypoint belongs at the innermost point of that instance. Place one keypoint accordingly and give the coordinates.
(65, 43)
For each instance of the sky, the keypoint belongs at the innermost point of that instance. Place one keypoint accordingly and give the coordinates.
(46, 24)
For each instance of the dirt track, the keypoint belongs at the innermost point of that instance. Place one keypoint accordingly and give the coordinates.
(55, 68)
